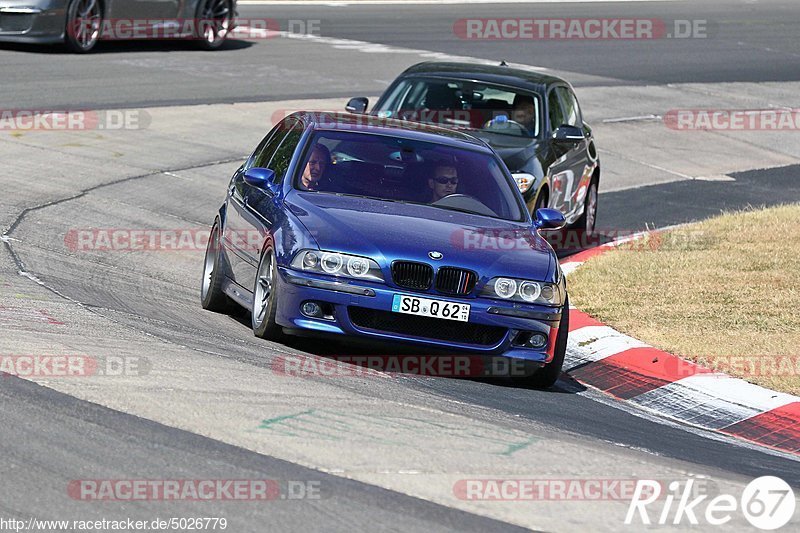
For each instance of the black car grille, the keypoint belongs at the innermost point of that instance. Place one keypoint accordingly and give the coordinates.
(426, 327)
(457, 281)
(410, 275)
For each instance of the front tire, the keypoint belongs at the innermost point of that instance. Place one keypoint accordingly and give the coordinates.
(546, 377)
(542, 200)
(212, 296)
(83, 26)
(215, 23)
(265, 301)
(588, 219)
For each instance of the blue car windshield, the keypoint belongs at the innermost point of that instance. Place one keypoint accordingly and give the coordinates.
(396, 169)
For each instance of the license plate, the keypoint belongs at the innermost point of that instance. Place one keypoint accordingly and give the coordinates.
(412, 305)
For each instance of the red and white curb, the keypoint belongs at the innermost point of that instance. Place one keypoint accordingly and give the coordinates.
(630, 370)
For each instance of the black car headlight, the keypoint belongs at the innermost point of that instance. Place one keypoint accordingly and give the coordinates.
(337, 264)
(523, 290)
(524, 181)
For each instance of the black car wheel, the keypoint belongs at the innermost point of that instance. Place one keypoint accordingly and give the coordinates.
(265, 301)
(211, 295)
(214, 23)
(547, 376)
(84, 23)
(588, 219)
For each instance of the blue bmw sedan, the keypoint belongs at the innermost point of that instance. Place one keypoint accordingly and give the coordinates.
(353, 225)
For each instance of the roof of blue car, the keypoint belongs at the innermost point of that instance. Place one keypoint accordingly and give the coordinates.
(386, 126)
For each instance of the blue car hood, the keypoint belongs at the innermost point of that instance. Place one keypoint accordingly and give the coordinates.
(387, 231)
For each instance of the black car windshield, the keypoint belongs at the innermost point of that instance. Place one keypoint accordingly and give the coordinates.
(396, 169)
(467, 104)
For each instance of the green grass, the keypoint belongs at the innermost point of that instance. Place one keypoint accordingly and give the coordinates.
(724, 292)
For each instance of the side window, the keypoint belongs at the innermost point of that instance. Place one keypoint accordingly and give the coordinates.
(396, 99)
(572, 113)
(283, 154)
(554, 109)
(264, 153)
(261, 146)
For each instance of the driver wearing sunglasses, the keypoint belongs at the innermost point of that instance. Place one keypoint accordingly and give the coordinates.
(444, 182)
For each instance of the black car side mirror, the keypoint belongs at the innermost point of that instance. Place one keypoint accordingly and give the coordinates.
(358, 105)
(568, 134)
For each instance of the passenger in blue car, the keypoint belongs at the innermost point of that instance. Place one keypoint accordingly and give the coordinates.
(444, 182)
(315, 168)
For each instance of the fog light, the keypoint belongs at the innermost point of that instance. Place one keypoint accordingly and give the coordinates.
(537, 340)
(311, 309)
(530, 339)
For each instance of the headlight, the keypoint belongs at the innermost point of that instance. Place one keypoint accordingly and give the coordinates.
(337, 264)
(524, 181)
(310, 260)
(526, 291)
(357, 266)
(530, 291)
(505, 288)
(331, 263)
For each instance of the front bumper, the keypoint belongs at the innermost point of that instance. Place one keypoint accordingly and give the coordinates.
(38, 23)
(366, 297)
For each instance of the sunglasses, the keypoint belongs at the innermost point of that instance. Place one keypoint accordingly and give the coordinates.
(443, 179)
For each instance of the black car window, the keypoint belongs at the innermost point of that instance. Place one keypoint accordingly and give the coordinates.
(264, 153)
(455, 103)
(401, 93)
(572, 113)
(554, 109)
(283, 154)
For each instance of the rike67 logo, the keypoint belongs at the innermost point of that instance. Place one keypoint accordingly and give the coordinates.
(767, 503)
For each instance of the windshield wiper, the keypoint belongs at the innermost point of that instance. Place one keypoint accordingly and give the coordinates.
(370, 197)
(463, 210)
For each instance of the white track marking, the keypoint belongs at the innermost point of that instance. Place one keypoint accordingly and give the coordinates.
(594, 343)
(377, 48)
(712, 401)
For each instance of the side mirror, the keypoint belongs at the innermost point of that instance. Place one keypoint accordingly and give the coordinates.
(357, 105)
(568, 134)
(261, 178)
(547, 218)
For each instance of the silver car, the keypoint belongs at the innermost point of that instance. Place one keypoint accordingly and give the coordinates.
(80, 24)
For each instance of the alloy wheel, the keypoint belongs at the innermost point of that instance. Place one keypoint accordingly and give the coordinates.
(263, 292)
